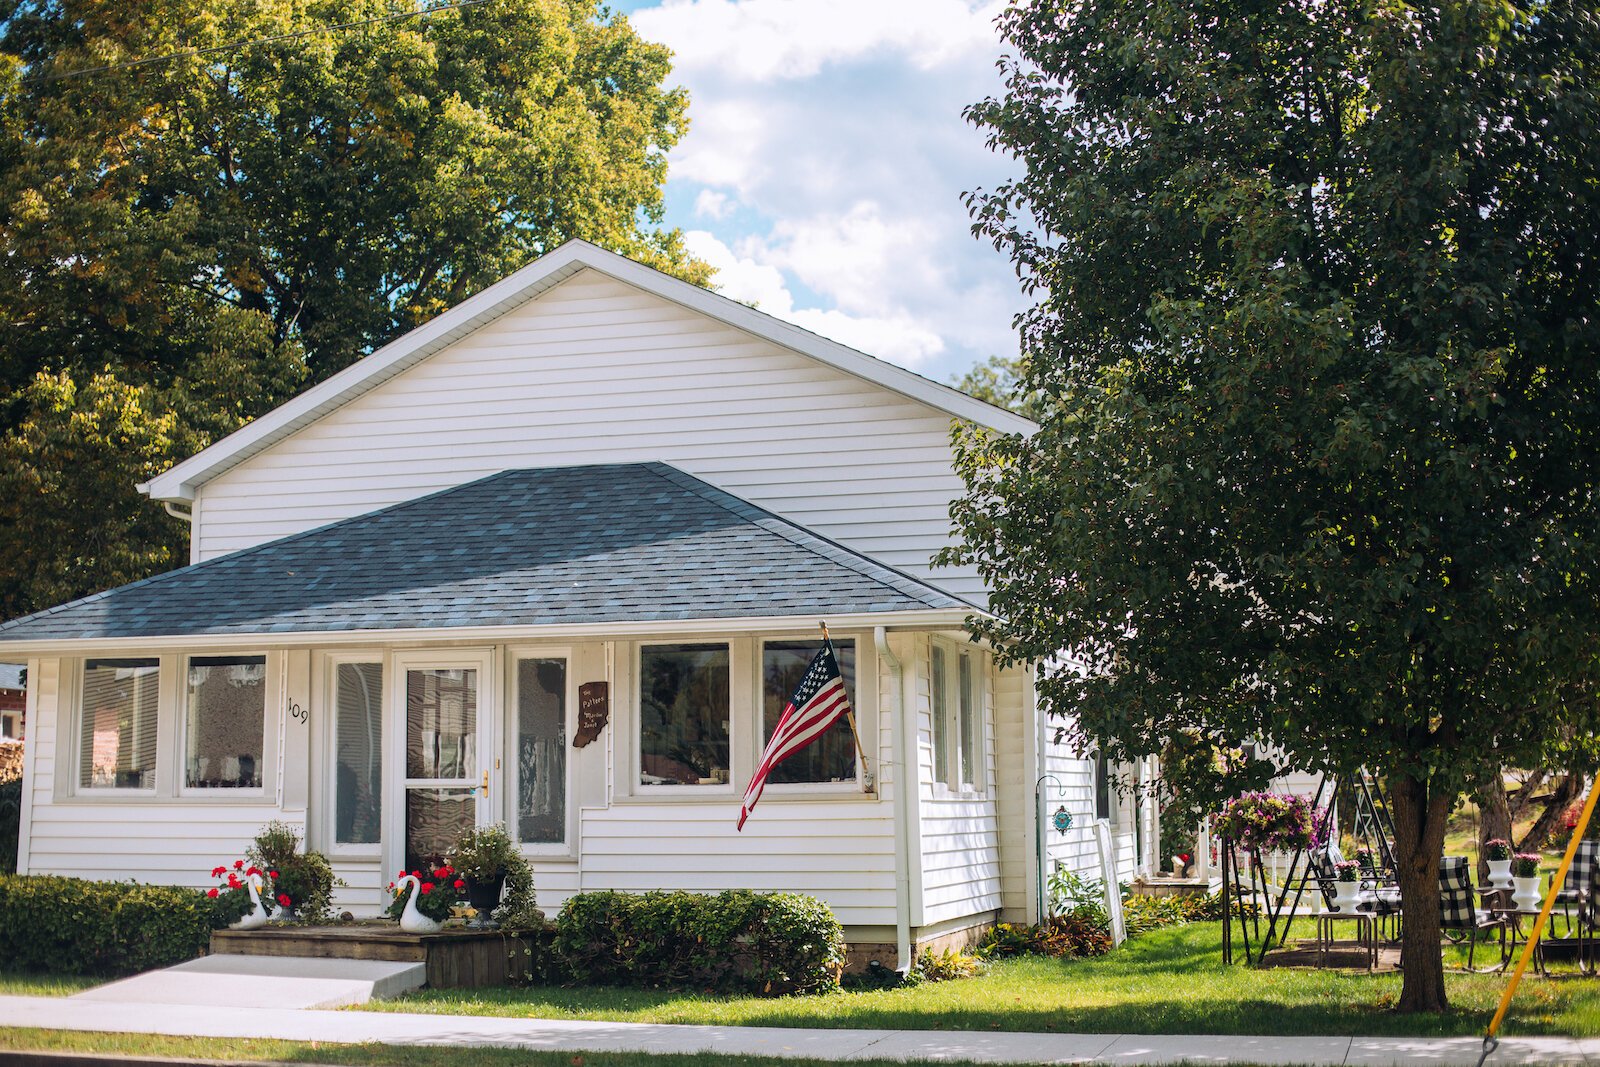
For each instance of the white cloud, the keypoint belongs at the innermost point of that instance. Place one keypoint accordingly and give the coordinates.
(896, 337)
(711, 204)
(762, 40)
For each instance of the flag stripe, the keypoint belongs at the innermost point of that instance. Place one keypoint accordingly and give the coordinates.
(818, 702)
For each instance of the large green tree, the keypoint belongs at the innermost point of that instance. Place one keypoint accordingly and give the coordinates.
(1318, 304)
(188, 237)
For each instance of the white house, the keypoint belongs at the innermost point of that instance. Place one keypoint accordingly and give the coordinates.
(405, 579)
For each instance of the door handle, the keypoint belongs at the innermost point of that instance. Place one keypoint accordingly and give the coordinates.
(485, 783)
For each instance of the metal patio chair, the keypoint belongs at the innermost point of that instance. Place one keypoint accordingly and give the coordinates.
(1458, 909)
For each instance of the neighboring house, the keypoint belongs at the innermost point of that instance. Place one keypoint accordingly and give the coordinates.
(13, 701)
(591, 472)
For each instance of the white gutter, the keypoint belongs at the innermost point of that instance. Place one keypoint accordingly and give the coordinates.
(903, 797)
(433, 636)
(173, 510)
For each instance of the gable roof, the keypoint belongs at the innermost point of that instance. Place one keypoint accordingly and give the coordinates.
(179, 481)
(612, 544)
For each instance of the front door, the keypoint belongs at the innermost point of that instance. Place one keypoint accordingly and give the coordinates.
(443, 705)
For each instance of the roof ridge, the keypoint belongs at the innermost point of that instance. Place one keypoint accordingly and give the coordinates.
(907, 584)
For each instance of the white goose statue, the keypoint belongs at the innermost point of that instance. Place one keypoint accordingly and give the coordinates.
(413, 921)
(257, 915)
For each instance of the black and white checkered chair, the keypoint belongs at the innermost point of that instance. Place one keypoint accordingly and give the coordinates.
(1588, 918)
(1575, 890)
(1458, 908)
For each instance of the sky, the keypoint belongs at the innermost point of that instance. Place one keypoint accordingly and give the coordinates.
(824, 167)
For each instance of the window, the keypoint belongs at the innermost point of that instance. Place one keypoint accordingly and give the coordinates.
(1102, 787)
(967, 716)
(957, 705)
(118, 739)
(832, 757)
(939, 692)
(683, 714)
(224, 728)
(541, 752)
(358, 741)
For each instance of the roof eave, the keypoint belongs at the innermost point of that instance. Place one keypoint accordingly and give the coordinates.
(433, 636)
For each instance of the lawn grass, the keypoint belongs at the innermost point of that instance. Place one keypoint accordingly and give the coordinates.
(374, 1055)
(18, 984)
(1168, 981)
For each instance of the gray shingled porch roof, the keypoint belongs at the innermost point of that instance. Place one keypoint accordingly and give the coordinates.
(622, 543)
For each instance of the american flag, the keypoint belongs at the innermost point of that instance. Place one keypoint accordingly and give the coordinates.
(817, 703)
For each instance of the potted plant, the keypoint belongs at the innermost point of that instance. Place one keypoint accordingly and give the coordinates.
(423, 900)
(1269, 822)
(1346, 886)
(1364, 858)
(1525, 876)
(243, 894)
(303, 882)
(1497, 855)
(489, 860)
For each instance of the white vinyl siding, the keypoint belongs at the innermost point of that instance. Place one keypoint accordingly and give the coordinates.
(595, 371)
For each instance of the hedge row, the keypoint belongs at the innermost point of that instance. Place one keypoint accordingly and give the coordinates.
(10, 824)
(71, 926)
(771, 943)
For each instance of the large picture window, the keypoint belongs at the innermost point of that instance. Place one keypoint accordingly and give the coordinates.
(683, 714)
(118, 740)
(541, 751)
(358, 741)
(225, 717)
(832, 757)
(956, 702)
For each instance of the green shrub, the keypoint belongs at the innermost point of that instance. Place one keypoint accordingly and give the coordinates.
(1063, 936)
(946, 965)
(71, 926)
(773, 943)
(10, 824)
(306, 878)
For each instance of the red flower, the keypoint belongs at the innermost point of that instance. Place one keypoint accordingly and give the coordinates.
(218, 872)
(416, 874)
(238, 865)
(212, 893)
(283, 898)
(233, 881)
(427, 887)
(253, 870)
(460, 884)
(274, 874)
(402, 874)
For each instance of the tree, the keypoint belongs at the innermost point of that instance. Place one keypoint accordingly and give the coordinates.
(994, 381)
(1316, 336)
(208, 233)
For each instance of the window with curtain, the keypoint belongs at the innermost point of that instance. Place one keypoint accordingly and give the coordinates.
(118, 726)
(358, 741)
(225, 722)
(541, 747)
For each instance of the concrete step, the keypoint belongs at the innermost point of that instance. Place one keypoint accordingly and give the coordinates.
(227, 980)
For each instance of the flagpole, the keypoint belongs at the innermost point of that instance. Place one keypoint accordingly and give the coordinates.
(850, 712)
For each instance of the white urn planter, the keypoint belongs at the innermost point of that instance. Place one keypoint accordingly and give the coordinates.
(413, 921)
(1346, 897)
(1527, 896)
(1499, 873)
(257, 915)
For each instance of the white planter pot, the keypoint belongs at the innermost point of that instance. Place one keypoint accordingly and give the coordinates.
(1499, 874)
(414, 922)
(1346, 896)
(254, 918)
(1527, 896)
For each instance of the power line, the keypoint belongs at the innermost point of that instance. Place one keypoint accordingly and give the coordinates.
(232, 46)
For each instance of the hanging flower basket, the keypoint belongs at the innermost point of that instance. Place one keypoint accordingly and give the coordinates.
(1270, 822)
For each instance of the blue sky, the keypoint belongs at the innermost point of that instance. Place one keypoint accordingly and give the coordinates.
(823, 171)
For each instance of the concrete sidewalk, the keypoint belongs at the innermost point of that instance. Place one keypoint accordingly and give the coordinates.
(62, 1013)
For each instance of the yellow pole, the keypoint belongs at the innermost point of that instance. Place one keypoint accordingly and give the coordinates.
(1489, 1040)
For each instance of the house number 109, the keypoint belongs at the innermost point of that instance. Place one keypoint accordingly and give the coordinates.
(299, 714)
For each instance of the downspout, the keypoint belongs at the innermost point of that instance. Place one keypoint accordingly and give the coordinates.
(172, 509)
(903, 799)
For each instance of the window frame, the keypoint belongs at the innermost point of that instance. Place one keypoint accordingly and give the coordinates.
(161, 788)
(329, 800)
(949, 730)
(271, 696)
(736, 662)
(511, 777)
(851, 786)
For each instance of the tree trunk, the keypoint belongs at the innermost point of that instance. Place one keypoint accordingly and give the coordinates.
(1566, 792)
(1419, 826)
(1494, 817)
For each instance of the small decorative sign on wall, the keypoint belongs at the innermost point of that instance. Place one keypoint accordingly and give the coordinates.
(594, 711)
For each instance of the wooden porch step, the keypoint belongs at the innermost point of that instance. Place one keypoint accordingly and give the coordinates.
(453, 958)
